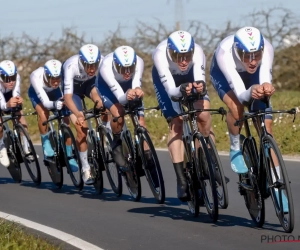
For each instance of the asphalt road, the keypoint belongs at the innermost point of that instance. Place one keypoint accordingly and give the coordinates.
(120, 223)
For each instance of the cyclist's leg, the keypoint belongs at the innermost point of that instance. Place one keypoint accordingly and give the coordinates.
(81, 134)
(235, 112)
(175, 144)
(4, 160)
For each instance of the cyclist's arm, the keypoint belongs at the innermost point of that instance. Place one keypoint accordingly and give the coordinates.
(265, 72)
(108, 76)
(40, 92)
(228, 67)
(3, 105)
(17, 90)
(162, 65)
(199, 61)
(137, 77)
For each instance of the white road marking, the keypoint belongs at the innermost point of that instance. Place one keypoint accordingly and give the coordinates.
(68, 238)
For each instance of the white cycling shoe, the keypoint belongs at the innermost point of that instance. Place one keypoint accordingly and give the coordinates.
(3, 156)
(87, 177)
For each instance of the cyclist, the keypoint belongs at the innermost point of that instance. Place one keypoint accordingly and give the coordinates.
(179, 69)
(78, 79)
(10, 97)
(119, 81)
(241, 73)
(45, 94)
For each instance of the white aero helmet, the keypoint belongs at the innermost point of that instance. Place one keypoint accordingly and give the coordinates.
(180, 46)
(248, 44)
(90, 56)
(124, 60)
(52, 70)
(8, 71)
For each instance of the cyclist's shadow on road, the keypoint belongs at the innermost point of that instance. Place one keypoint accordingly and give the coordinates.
(184, 214)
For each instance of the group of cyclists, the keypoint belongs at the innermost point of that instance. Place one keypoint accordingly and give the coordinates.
(241, 73)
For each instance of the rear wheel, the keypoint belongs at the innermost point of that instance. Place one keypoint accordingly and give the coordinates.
(206, 177)
(54, 167)
(14, 167)
(132, 179)
(252, 195)
(279, 184)
(152, 167)
(28, 154)
(222, 191)
(66, 133)
(112, 171)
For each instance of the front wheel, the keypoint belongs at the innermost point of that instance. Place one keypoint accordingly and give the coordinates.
(66, 134)
(111, 168)
(151, 166)
(28, 154)
(279, 184)
(222, 190)
(14, 167)
(249, 186)
(93, 160)
(206, 177)
(131, 177)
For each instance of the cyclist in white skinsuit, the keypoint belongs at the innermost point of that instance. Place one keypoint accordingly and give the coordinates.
(78, 79)
(119, 80)
(179, 69)
(10, 97)
(45, 94)
(241, 73)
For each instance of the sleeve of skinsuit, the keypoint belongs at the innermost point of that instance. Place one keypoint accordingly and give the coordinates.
(106, 71)
(17, 90)
(265, 72)
(162, 65)
(39, 90)
(69, 73)
(199, 61)
(227, 66)
(2, 101)
(138, 75)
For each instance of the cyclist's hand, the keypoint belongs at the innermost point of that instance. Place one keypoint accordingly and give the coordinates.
(13, 102)
(199, 87)
(268, 89)
(139, 92)
(58, 104)
(80, 119)
(257, 91)
(130, 94)
(19, 99)
(186, 89)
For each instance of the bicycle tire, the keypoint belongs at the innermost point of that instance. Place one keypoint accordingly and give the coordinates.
(55, 169)
(159, 191)
(205, 173)
(111, 169)
(93, 162)
(132, 179)
(33, 167)
(253, 199)
(219, 174)
(76, 179)
(282, 184)
(14, 168)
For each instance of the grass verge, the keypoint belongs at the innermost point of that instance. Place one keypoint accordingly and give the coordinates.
(13, 236)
